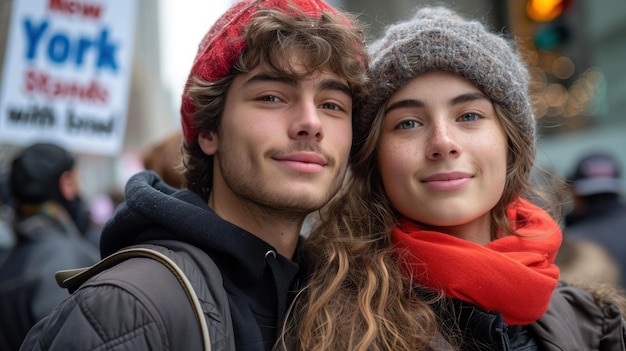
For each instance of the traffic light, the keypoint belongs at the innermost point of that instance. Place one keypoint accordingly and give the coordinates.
(552, 27)
(551, 36)
(545, 10)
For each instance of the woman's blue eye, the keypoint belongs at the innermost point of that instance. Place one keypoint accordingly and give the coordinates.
(468, 117)
(408, 124)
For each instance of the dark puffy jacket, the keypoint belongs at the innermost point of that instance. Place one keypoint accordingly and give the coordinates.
(28, 291)
(573, 322)
(156, 312)
(139, 305)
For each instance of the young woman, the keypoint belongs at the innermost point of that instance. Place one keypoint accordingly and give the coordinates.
(439, 194)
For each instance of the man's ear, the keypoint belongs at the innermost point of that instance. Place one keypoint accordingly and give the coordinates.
(208, 142)
(67, 186)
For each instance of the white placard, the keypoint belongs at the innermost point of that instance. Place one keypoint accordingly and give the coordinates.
(67, 72)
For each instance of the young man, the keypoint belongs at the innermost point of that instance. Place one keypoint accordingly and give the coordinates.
(267, 123)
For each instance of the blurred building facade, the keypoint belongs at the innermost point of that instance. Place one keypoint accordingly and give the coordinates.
(577, 112)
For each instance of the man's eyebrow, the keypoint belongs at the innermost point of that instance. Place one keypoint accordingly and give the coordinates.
(264, 77)
(332, 84)
(326, 84)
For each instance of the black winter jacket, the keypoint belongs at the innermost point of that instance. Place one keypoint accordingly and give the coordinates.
(46, 242)
(573, 322)
(138, 305)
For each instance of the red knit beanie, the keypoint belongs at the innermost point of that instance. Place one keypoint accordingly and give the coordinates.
(224, 43)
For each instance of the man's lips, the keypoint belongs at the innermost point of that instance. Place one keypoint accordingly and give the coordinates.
(447, 181)
(306, 162)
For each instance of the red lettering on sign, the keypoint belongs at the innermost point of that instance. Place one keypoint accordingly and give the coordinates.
(83, 9)
(41, 83)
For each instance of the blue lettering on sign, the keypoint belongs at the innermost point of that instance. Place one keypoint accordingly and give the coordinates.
(33, 35)
(61, 49)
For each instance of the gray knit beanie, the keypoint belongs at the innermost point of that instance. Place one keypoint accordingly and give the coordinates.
(436, 38)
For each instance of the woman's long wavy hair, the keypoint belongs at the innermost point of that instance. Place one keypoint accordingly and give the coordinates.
(333, 42)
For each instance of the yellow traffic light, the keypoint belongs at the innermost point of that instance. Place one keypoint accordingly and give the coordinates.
(545, 10)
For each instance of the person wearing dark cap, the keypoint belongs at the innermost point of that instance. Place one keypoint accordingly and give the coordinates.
(434, 243)
(267, 132)
(599, 213)
(46, 193)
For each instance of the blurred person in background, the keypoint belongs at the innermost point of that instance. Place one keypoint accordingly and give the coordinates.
(48, 221)
(599, 212)
(7, 238)
(101, 208)
(583, 261)
(165, 158)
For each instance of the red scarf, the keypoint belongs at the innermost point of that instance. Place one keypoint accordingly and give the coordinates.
(514, 275)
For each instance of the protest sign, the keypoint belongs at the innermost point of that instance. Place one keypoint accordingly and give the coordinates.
(67, 73)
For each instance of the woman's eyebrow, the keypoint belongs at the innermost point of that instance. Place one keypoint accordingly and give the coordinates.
(404, 104)
(467, 98)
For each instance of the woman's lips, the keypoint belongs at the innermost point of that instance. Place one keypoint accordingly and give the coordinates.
(447, 181)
